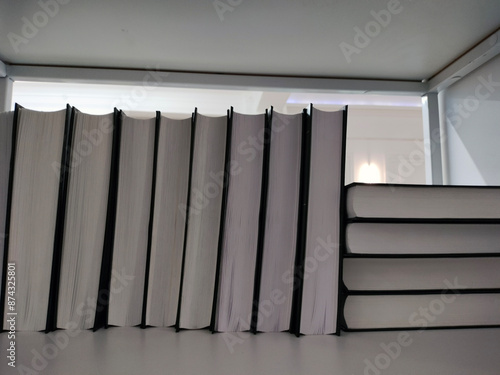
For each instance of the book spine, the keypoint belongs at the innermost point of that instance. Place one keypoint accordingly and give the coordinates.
(102, 309)
(342, 295)
(302, 223)
(262, 221)
(60, 220)
(151, 220)
(227, 174)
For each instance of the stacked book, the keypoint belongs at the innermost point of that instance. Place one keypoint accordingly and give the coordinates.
(419, 256)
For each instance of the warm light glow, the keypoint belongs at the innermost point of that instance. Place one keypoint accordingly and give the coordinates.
(369, 173)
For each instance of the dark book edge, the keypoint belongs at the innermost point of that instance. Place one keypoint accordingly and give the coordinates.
(103, 295)
(418, 256)
(342, 227)
(151, 221)
(298, 272)
(343, 294)
(262, 219)
(187, 213)
(409, 220)
(410, 328)
(421, 292)
(64, 176)
(392, 185)
(225, 188)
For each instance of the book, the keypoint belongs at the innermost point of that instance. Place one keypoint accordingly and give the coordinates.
(240, 229)
(422, 311)
(85, 224)
(135, 175)
(203, 215)
(422, 201)
(369, 274)
(281, 223)
(168, 234)
(6, 127)
(422, 238)
(320, 265)
(34, 209)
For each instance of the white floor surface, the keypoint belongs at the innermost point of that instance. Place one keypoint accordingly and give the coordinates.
(124, 351)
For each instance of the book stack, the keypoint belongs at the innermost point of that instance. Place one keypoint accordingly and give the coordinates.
(420, 256)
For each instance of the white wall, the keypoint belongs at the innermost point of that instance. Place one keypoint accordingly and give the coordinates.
(5, 94)
(391, 138)
(383, 131)
(471, 127)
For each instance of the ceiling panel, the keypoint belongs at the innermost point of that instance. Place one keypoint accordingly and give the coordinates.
(387, 39)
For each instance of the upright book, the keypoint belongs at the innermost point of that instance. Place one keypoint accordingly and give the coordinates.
(319, 271)
(168, 232)
(34, 207)
(135, 176)
(240, 229)
(86, 211)
(281, 223)
(203, 215)
(6, 127)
